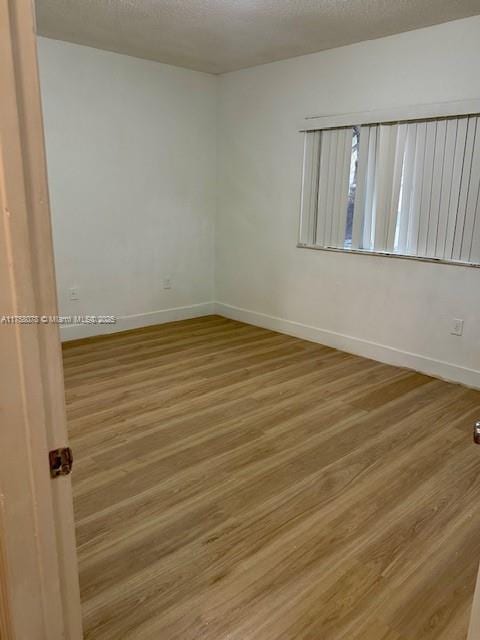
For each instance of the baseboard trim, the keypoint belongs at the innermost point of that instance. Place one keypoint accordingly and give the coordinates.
(357, 346)
(123, 323)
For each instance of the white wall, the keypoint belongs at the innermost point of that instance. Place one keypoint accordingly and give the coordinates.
(376, 306)
(131, 154)
(131, 149)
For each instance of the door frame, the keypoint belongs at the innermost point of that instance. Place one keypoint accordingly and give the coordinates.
(39, 590)
(474, 627)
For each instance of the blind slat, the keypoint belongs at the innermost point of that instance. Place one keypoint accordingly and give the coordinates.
(446, 186)
(337, 195)
(414, 220)
(399, 152)
(331, 186)
(336, 187)
(438, 158)
(325, 151)
(362, 173)
(464, 185)
(384, 184)
(370, 189)
(344, 179)
(471, 206)
(460, 147)
(407, 187)
(309, 186)
(426, 187)
(475, 252)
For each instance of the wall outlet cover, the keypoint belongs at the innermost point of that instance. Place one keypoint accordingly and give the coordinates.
(457, 327)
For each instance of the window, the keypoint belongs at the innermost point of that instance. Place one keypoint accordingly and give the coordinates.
(408, 188)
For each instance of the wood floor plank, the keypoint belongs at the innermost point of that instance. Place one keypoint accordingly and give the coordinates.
(235, 483)
(274, 516)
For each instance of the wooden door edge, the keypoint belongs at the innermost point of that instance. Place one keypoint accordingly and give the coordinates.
(35, 353)
(474, 627)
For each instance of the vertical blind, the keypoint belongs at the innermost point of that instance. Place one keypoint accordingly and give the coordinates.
(406, 188)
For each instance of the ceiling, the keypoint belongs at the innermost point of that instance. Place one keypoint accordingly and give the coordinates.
(224, 35)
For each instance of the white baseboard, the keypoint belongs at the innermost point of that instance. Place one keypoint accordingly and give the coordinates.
(76, 331)
(365, 348)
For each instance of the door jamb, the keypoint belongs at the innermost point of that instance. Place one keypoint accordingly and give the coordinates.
(39, 588)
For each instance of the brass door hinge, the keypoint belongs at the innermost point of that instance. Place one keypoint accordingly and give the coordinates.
(476, 433)
(61, 461)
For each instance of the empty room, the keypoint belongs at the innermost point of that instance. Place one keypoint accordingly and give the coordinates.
(240, 320)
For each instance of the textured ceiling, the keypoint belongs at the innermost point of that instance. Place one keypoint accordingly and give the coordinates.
(224, 35)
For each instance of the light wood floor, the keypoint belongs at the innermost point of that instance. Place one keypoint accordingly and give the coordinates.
(234, 483)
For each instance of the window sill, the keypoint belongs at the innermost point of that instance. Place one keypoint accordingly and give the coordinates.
(384, 254)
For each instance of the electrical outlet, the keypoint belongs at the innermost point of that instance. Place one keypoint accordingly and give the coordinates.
(457, 327)
(73, 293)
(167, 282)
